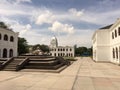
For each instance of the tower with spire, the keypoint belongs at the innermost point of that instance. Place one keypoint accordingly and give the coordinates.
(54, 42)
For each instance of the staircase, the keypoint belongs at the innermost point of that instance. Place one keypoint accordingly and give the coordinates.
(36, 63)
(13, 64)
(2, 60)
(44, 63)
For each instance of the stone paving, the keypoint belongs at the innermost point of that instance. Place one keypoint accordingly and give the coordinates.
(97, 76)
(84, 74)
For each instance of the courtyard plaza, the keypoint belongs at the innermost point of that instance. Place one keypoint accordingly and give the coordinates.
(83, 74)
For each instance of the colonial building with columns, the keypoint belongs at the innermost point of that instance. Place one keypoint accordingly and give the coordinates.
(64, 51)
(8, 43)
(106, 43)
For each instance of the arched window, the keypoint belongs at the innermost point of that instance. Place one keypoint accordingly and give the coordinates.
(55, 54)
(119, 31)
(113, 53)
(4, 53)
(0, 36)
(61, 54)
(11, 38)
(116, 52)
(66, 49)
(6, 37)
(112, 35)
(69, 54)
(115, 33)
(11, 53)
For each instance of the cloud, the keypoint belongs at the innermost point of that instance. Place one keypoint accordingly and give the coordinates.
(22, 1)
(25, 29)
(64, 28)
(45, 17)
(75, 12)
(82, 37)
(100, 18)
(15, 12)
(11, 8)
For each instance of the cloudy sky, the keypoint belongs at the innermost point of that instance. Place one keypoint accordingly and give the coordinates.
(71, 21)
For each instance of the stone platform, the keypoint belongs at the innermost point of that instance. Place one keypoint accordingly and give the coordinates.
(84, 74)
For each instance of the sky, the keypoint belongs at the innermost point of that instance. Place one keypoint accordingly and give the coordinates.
(71, 21)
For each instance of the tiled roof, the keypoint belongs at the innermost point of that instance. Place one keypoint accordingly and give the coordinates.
(107, 27)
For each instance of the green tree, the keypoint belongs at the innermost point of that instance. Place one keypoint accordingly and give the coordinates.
(89, 51)
(43, 47)
(83, 51)
(3, 25)
(34, 47)
(22, 46)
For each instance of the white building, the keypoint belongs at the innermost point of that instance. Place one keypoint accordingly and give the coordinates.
(8, 43)
(106, 43)
(56, 50)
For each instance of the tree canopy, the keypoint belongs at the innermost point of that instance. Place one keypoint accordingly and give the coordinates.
(83, 51)
(43, 47)
(22, 46)
(3, 25)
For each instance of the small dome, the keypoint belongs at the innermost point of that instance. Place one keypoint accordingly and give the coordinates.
(54, 42)
(53, 38)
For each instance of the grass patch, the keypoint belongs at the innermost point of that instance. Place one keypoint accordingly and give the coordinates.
(70, 58)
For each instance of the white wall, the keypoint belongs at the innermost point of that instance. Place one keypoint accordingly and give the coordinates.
(65, 52)
(115, 43)
(7, 44)
(101, 47)
(104, 44)
(103, 37)
(103, 53)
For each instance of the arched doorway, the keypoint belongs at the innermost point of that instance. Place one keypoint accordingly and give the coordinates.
(4, 53)
(116, 53)
(0, 53)
(10, 53)
(113, 53)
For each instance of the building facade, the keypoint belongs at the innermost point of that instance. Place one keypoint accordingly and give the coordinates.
(64, 51)
(8, 43)
(106, 43)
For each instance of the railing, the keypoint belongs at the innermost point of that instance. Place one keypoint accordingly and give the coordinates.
(22, 64)
(5, 63)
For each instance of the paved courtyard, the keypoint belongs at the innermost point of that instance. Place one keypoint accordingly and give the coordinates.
(84, 74)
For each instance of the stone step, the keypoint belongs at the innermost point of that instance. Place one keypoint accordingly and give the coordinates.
(42, 59)
(43, 63)
(43, 67)
(2, 61)
(9, 69)
(45, 70)
(12, 65)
